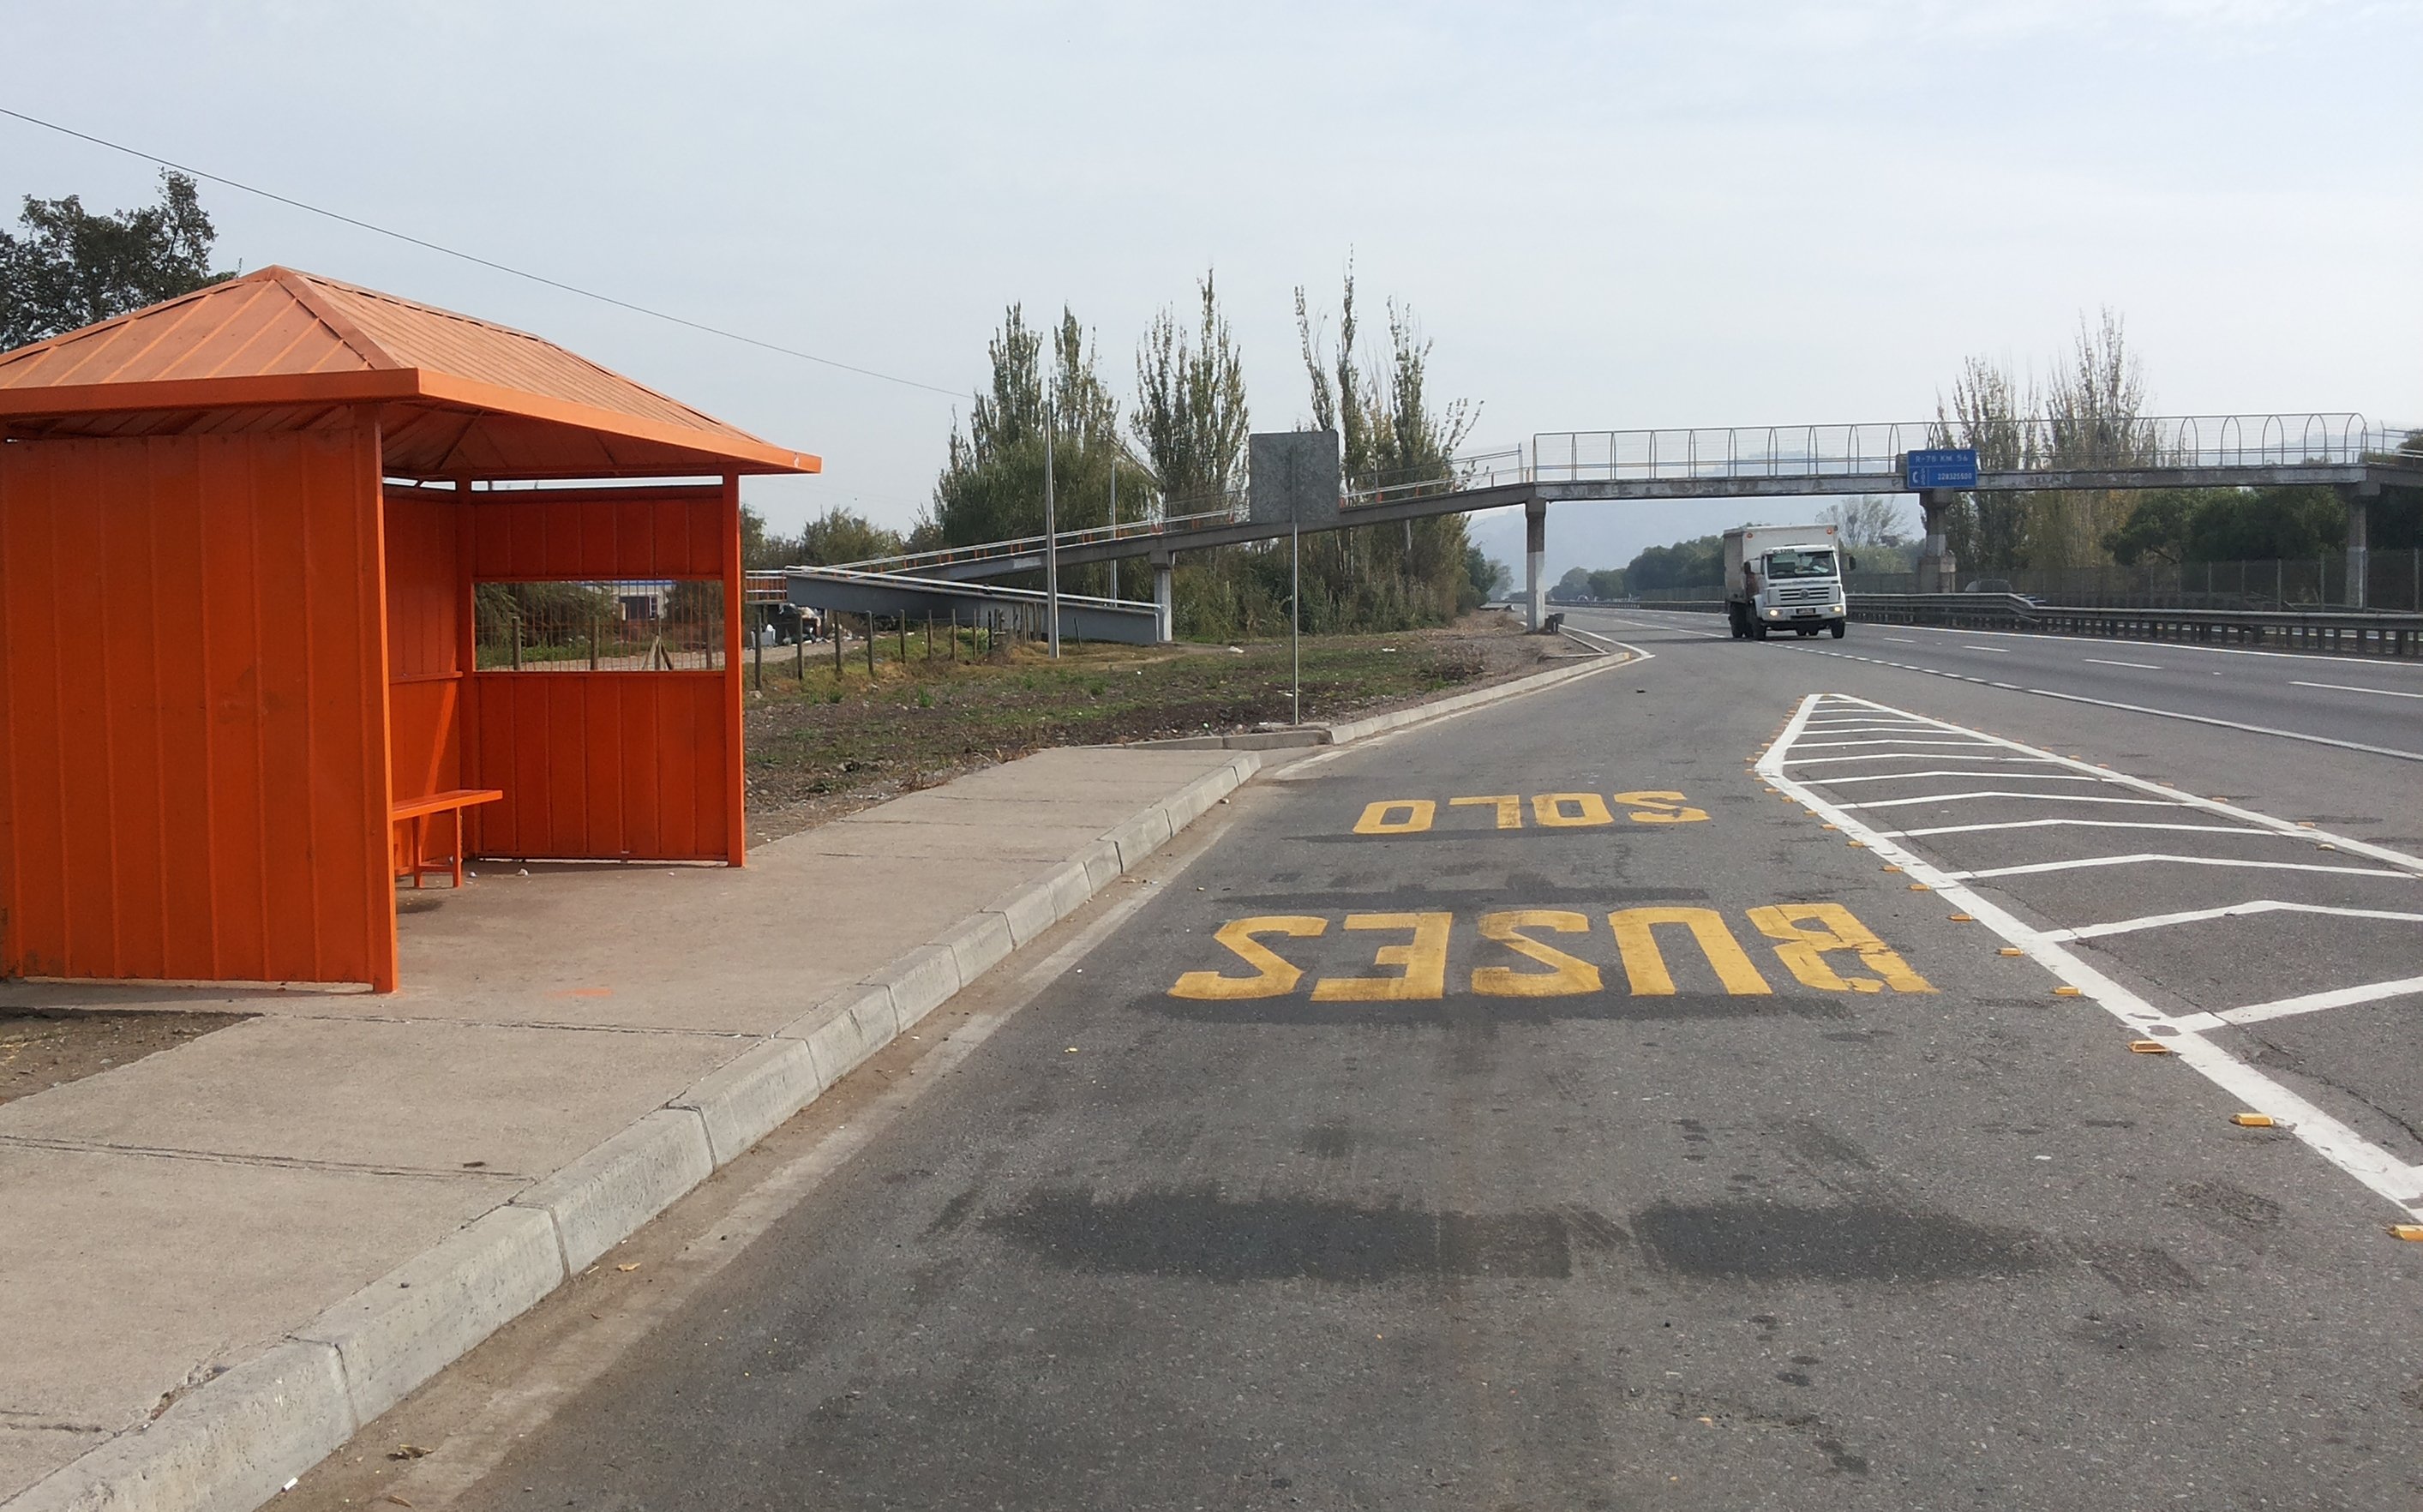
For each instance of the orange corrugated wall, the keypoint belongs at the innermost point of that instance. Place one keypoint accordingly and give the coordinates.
(425, 611)
(193, 710)
(609, 765)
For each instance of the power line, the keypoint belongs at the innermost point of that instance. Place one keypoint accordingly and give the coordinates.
(486, 262)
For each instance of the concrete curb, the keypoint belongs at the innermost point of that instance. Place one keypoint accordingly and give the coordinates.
(226, 1447)
(233, 1442)
(1423, 713)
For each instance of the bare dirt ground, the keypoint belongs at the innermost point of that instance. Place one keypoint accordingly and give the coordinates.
(827, 746)
(47, 1047)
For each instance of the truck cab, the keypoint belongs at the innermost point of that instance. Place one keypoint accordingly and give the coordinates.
(1793, 580)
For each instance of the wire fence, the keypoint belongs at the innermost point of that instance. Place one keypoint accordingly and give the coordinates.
(664, 625)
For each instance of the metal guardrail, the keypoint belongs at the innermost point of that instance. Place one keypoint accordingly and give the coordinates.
(2347, 632)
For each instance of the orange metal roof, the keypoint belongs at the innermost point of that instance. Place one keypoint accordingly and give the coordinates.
(282, 349)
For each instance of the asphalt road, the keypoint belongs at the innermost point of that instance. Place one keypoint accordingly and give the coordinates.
(2355, 700)
(1586, 1104)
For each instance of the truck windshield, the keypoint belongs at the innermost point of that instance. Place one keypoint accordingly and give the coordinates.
(1781, 565)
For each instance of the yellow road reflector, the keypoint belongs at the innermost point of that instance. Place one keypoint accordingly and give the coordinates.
(1855, 845)
(2253, 1120)
(1962, 919)
(2150, 1047)
(2406, 1231)
(2065, 990)
(1830, 826)
(2010, 951)
(1893, 868)
(2304, 824)
(1920, 887)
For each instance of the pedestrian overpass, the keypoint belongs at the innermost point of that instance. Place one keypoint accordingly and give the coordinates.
(2339, 449)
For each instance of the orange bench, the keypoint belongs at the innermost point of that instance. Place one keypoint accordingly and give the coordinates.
(415, 812)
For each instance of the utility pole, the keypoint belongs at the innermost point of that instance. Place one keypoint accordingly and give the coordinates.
(1050, 544)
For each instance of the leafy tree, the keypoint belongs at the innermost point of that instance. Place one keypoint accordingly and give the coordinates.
(2175, 525)
(1867, 520)
(1489, 577)
(1990, 409)
(1190, 415)
(991, 486)
(1685, 564)
(834, 538)
(68, 267)
(2158, 526)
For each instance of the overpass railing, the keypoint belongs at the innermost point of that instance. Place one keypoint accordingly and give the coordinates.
(2042, 443)
(2038, 443)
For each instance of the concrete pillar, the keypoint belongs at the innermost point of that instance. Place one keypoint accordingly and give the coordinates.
(2359, 546)
(1161, 562)
(1938, 573)
(1535, 561)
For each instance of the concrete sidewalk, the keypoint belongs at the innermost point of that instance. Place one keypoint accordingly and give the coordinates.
(314, 1210)
(220, 1262)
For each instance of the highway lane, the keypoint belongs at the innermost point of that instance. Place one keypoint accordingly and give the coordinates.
(2360, 700)
(1557, 1108)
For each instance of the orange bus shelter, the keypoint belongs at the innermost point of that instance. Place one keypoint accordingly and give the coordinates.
(242, 537)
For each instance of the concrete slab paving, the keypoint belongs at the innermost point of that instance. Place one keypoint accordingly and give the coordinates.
(943, 839)
(431, 1097)
(133, 1276)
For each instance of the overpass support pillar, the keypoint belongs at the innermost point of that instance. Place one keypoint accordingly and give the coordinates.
(1161, 564)
(1938, 573)
(2359, 554)
(1535, 560)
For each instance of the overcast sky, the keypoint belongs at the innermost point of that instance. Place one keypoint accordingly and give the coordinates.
(1607, 216)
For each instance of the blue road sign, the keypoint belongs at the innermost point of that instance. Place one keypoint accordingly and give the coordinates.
(1945, 468)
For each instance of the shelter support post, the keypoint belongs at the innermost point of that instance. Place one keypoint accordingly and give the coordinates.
(1938, 573)
(2359, 498)
(1162, 565)
(1535, 561)
(735, 823)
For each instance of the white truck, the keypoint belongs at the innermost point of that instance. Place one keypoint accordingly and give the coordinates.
(1784, 577)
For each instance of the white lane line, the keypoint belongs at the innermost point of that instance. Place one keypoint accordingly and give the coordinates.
(2317, 1002)
(1992, 650)
(2133, 708)
(1955, 772)
(2049, 798)
(2090, 823)
(2161, 789)
(2375, 1168)
(2232, 725)
(2142, 666)
(1827, 745)
(2351, 688)
(1923, 756)
(1898, 639)
(2199, 916)
(2039, 867)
